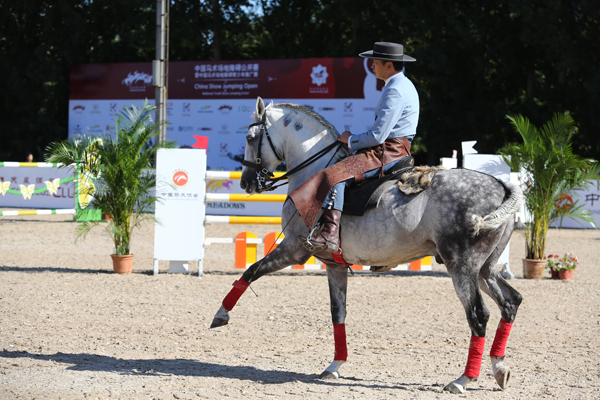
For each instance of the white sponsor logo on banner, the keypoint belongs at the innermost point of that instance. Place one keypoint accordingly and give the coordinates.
(319, 75)
(137, 81)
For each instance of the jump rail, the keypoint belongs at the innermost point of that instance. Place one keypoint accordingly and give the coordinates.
(36, 212)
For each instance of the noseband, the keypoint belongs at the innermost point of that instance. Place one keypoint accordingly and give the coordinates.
(265, 178)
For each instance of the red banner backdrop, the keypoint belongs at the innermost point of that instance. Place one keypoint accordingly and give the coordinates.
(312, 78)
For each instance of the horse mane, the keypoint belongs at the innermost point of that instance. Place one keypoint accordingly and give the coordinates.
(312, 114)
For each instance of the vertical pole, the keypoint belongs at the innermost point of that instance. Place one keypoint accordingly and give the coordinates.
(160, 66)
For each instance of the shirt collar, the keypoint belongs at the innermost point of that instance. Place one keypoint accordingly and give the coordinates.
(393, 77)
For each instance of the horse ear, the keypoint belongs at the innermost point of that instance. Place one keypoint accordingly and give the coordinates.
(260, 107)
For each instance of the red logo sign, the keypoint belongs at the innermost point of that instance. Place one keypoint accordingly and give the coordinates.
(563, 203)
(180, 178)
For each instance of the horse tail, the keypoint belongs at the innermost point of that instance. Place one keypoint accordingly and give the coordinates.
(502, 213)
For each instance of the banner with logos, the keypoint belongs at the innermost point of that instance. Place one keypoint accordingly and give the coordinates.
(217, 98)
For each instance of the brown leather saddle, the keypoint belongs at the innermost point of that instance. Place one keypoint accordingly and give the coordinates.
(360, 197)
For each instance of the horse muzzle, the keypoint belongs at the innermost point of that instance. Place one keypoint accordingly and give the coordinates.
(250, 186)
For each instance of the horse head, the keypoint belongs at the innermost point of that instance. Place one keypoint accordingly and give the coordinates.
(291, 133)
(260, 159)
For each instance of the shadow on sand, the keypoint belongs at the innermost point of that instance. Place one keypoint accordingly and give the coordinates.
(55, 269)
(433, 274)
(367, 274)
(184, 367)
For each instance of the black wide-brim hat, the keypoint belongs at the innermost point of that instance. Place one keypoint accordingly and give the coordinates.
(387, 51)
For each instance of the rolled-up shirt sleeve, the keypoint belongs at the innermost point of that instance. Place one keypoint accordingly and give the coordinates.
(388, 114)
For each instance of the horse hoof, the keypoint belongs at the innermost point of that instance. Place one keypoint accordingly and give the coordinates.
(455, 388)
(217, 322)
(329, 375)
(502, 376)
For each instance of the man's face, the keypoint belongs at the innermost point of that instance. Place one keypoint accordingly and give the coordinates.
(379, 69)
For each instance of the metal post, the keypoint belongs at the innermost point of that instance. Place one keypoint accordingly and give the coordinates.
(160, 66)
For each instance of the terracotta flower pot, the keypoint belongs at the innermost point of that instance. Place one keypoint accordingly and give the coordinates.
(533, 269)
(554, 273)
(566, 274)
(122, 264)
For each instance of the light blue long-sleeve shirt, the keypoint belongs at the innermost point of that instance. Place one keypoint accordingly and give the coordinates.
(396, 115)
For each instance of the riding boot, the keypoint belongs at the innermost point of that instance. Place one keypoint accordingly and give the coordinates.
(329, 238)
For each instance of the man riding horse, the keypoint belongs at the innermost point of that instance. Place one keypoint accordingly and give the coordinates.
(464, 218)
(376, 150)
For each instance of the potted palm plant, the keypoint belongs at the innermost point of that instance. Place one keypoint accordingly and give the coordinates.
(125, 186)
(548, 170)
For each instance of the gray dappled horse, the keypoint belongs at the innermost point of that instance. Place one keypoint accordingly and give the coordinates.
(464, 219)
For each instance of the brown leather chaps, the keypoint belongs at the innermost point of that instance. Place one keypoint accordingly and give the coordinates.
(309, 197)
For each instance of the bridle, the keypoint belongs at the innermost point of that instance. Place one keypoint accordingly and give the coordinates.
(262, 173)
(264, 177)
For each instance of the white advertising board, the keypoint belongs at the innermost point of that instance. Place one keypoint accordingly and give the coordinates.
(180, 211)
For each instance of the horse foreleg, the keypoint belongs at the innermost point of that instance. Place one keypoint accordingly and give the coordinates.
(222, 316)
(287, 253)
(467, 288)
(337, 276)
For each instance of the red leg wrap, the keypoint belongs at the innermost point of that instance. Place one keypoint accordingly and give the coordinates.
(499, 346)
(475, 356)
(239, 287)
(339, 335)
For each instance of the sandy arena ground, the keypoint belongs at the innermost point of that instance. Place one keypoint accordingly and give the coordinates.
(72, 329)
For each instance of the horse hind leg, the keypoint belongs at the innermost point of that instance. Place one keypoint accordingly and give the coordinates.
(467, 289)
(508, 301)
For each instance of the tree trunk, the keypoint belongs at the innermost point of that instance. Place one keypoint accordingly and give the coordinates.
(216, 30)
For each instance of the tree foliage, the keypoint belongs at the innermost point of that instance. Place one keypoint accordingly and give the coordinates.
(476, 61)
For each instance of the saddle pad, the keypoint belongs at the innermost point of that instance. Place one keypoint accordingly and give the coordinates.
(364, 195)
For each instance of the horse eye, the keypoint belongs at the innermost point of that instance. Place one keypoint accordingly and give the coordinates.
(249, 138)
